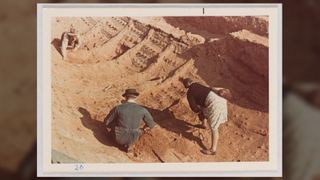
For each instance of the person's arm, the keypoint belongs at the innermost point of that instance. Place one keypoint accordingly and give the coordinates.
(78, 44)
(148, 119)
(72, 34)
(217, 89)
(223, 92)
(201, 116)
(111, 116)
(192, 103)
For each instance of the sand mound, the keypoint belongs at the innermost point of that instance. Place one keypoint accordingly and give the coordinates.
(150, 54)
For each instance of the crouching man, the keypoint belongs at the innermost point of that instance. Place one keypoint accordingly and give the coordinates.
(127, 118)
(70, 40)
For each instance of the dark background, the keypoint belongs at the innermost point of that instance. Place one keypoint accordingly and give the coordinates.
(301, 43)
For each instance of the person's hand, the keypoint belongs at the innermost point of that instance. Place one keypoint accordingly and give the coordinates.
(147, 128)
(225, 93)
(201, 116)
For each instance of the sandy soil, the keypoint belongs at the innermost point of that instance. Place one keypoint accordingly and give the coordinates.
(150, 54)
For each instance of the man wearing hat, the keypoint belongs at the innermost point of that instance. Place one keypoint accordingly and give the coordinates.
(128, 117)
(209, 104)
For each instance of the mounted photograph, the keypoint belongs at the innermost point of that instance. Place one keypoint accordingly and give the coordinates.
(150, 90)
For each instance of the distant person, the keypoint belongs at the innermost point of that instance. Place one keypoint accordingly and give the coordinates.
(70, 40)
(209, 104)
(128, 117)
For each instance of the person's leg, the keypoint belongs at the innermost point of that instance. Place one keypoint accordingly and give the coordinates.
(125, 148)
(215, 138)
(202, 120)
(63, 47)
(130, 147)
(214, 142)
(76, 45)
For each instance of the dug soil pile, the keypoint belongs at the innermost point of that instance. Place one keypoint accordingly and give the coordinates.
(151, 54)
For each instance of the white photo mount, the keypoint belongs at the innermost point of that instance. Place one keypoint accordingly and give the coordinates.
(271, 168)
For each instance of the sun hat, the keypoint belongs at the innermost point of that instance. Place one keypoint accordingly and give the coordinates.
(130, 92)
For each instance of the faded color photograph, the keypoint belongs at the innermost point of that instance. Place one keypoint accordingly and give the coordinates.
(159, 89)
(18, 88)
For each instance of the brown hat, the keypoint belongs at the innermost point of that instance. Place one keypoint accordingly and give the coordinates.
(130, 91)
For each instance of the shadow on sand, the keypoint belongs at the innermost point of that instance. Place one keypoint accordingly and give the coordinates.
(218, 25)
(168, 121)
(98, 128)
(56, 43)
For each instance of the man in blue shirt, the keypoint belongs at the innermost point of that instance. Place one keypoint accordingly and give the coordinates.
(128, 117)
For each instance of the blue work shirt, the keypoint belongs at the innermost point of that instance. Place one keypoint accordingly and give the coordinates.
(128, 117)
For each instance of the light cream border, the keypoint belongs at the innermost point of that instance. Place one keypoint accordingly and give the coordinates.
(273, 167)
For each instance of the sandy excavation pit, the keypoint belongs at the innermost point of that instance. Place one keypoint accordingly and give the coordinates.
(150, 54)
